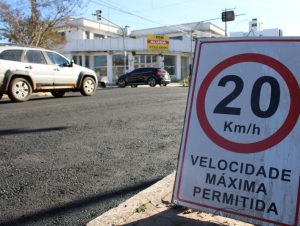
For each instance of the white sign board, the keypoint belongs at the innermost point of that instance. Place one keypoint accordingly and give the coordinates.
(240, 150)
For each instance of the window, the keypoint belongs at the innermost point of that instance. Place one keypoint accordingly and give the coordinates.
(57, 59)
(144, 61)
(87, 61)
(118, 66)
(87, 35)
(100, 65)
(98, 36)
(176, 37)
(170, 64)
(80, 60)
(14, 55)
(185, 71)
(148, 59)
(35, 56)
(77, 60)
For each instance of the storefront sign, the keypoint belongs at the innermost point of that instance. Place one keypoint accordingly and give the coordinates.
(240, 148)
(158, 43)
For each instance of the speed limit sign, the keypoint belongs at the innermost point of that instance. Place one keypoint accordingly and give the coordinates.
(240, 147)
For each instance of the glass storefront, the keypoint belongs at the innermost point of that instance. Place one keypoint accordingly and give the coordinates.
(170, 66)
(145, 61)
(185, 70)
(118, 66)
(100, 65)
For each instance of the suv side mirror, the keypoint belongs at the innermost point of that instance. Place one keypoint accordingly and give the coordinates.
(71, 63)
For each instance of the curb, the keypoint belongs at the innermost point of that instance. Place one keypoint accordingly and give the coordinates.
(153, 206)
(139, 206)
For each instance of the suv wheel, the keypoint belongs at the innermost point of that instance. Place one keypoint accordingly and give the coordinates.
(58, 93)
(121, 83)
(152, 82)
(88, 87)
(19, 90)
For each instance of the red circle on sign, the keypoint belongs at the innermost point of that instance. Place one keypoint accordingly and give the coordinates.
(270, 141)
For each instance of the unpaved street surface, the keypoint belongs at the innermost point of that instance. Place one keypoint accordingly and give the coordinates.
(65, 161)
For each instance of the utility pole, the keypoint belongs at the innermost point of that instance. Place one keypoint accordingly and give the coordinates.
(99, 17)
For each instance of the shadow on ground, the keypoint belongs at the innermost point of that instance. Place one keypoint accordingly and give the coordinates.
(72, 206)
(22, 131)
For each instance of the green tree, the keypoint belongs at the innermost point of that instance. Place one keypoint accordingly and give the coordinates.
(36, 22)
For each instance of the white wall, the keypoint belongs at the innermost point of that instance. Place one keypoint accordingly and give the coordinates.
(116, 44)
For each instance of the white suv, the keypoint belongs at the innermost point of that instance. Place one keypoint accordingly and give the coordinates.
(25, 70)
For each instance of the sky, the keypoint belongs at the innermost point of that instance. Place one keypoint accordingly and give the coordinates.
(140, 14)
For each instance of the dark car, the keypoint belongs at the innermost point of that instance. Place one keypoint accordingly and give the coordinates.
(147, 75)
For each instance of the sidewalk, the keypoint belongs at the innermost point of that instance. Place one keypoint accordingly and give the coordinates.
(152, 207)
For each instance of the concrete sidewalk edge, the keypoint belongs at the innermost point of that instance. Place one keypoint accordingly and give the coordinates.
(137, 204)
(153, 206)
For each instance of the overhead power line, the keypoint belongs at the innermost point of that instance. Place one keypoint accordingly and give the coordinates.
(180, 28)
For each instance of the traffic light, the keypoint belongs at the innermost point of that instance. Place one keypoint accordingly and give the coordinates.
(98, 14)
(228, 16)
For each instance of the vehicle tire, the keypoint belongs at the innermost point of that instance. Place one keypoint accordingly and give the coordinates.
(165, 84)
(19, 90)
(121, 83)
(58, 93)
(152, 82)
(134, 86)
(88, 86)
(1, 95)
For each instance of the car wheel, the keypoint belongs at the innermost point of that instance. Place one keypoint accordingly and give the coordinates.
(1, 94)
(152, 82)
(121, 83)
(19, 90)
(58, 93)
(165, 84)
(88, 87)
(134, 86)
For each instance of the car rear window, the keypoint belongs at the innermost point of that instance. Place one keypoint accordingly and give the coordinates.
(11, 54)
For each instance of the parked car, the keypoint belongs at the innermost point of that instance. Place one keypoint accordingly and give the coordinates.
(25, 70)
(147, 75)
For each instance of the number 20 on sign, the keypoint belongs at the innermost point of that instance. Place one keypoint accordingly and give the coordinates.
(240, 121)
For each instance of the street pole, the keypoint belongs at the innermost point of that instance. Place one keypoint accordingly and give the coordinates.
(124, 48)
(123, 35)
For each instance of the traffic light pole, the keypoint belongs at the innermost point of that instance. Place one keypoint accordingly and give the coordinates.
(99, 17)
(228, 15)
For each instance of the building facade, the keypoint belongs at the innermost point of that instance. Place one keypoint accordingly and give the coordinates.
(256, 29)
(112, 50)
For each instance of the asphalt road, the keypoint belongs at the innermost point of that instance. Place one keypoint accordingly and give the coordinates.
(64, 161)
